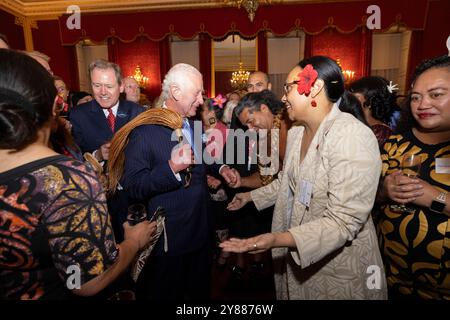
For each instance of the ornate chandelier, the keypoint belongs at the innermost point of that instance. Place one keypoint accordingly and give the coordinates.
(249, 5)
(239, 78)
(139, 77)
(349, 75)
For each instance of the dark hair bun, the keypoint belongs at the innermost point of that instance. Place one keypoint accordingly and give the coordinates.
(27, 93)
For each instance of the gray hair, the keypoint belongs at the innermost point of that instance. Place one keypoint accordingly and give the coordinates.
(176, 76)
(103, 64)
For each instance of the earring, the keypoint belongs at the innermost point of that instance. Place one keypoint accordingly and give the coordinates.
(313, 103)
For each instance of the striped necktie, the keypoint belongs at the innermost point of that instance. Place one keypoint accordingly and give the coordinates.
(111, 120)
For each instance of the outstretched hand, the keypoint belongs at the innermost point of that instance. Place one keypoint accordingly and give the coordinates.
(253, 245)
(239, 200)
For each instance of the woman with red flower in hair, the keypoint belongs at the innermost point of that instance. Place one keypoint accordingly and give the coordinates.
(323, 240)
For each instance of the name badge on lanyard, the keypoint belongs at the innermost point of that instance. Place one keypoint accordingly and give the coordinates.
(305, 192)
(442, 165)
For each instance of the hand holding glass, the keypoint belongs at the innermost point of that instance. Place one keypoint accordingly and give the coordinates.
(136, 213)
(410, 166)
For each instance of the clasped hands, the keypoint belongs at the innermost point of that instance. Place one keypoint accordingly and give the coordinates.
(402, 189)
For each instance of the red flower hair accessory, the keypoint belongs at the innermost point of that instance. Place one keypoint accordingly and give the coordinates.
(219, 101)
(306, 79)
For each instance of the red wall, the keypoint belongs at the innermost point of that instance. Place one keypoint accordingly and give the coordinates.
(437, 29)
(47, 40)
(13, 32)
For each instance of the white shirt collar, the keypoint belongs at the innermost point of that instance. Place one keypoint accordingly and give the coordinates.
(114, 110)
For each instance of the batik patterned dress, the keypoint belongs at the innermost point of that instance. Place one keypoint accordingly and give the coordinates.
(416, 246)
(54, 225)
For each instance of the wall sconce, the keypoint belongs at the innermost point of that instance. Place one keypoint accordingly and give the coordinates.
(139, 77)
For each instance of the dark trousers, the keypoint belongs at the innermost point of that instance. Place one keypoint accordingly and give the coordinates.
(184, 277)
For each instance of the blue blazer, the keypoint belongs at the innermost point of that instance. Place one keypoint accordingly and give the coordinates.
(90, 127)
(149, 179)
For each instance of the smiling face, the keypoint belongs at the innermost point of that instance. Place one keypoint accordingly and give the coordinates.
(430, 100)
(132, 90)
(105, 87)
(190, 95)
(206, 114)
(258, 82)
(296, 104)
(256, 120)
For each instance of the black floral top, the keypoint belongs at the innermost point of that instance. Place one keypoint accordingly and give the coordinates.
(53, 223)
(416, 246)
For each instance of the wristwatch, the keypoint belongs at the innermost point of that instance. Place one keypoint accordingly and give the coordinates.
(438, 204)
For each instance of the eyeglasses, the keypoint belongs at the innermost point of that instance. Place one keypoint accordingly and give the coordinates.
(286, 86)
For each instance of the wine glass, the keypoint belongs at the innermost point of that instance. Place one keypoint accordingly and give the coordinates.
(410, 166)
(136, 213)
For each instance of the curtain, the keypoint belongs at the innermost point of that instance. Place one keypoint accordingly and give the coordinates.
(165, 58)
(217, 22)
(366, 52)
(415, 54)
(308, 46)
(141, 52)
(352, 49)
(113, 53)
(205, 43)
(262, 52)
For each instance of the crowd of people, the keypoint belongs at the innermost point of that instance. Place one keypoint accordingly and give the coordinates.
(318, 180)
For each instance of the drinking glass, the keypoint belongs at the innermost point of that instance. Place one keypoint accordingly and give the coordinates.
(136, 213)
(410, 166)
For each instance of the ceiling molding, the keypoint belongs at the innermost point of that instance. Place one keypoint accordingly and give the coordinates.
(40, 9)
(44, 10)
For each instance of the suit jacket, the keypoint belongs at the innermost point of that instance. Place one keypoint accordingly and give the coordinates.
(90, 127)
(336, 245)
(148, 178)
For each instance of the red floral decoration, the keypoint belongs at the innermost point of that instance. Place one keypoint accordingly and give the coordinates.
(306, 79)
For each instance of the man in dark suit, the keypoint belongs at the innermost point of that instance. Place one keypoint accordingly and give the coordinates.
(179, 266)
(95, 122)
